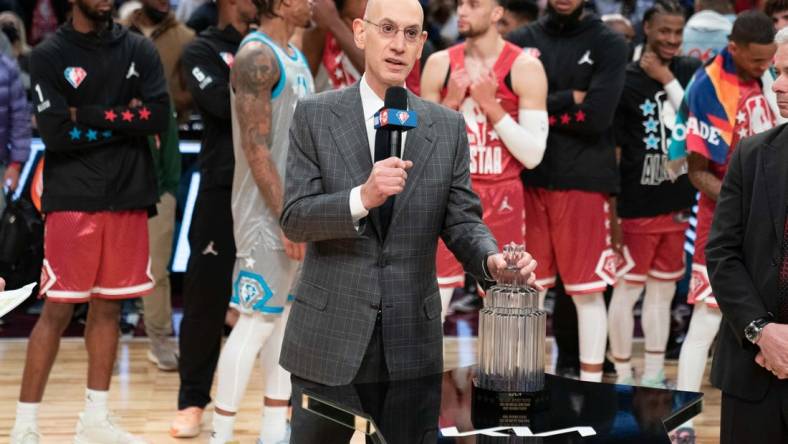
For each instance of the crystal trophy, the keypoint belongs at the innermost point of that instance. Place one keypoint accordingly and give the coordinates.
(510, 384)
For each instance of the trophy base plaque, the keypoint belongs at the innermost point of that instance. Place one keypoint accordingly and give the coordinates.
(491, 408)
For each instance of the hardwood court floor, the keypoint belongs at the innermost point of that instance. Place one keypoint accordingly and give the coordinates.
(144, 399)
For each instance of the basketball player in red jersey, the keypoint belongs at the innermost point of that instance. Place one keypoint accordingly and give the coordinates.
(502, 93)
(335, 60)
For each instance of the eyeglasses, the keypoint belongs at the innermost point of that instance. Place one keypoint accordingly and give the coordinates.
(389, 31)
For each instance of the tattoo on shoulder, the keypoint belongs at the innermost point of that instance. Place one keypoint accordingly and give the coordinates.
(255, 69)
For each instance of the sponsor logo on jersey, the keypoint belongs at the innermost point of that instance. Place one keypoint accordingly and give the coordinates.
(132, 72)
(201, 77)
(75, 75)
(586, 58)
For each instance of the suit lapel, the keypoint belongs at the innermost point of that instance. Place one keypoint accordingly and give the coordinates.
(350, 135)
(775, 162)
(418, 149)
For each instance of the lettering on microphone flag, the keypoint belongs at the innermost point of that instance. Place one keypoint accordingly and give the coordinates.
(396, 118)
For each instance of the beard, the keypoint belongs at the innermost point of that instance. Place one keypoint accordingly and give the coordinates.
(562, 20)
(93, 14)
(472, 32)
(154, 14)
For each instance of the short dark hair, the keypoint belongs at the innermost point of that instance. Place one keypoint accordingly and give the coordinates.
(265, 8)
(524, 8)
(670, 7)
(752, 27)
(774, 6)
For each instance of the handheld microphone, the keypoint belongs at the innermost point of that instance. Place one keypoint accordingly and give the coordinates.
(395, 117)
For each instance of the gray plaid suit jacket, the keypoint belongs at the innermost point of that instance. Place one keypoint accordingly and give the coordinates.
(349, 274)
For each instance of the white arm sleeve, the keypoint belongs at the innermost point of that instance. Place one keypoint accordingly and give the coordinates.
(675, 93)
(528, 139)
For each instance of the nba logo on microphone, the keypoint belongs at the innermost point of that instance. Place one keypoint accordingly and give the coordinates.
(403, 116)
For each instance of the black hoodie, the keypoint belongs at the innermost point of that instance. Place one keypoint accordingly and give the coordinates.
(102, 161)
(206, 64)
(587, 56)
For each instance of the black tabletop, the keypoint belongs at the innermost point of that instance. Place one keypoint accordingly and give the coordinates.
(448, 408)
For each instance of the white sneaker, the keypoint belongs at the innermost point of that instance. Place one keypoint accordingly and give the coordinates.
(103, 431)
(27, 435)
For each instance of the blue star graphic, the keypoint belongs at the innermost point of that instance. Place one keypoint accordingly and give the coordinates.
(648, 107)
(651, 125)
(107, 134)
(92, 135)
(652, 142)
(75, 133)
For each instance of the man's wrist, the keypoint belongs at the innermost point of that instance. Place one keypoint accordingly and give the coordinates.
(486, 268)
(754, 330)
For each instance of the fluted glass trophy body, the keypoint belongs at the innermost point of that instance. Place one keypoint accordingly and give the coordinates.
(512, 332)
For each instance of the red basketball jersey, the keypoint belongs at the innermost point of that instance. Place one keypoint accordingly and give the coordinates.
(491, 161)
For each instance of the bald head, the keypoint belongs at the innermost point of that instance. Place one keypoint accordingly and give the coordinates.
(376, 9)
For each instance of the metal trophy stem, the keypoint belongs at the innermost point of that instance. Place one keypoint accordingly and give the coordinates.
(512, 332)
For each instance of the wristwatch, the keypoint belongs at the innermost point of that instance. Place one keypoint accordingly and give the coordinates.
(753, 331)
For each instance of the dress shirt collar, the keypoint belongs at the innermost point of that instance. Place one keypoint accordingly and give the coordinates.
(369, 100)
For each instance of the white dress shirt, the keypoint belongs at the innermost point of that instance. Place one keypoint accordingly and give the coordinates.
(371, 103)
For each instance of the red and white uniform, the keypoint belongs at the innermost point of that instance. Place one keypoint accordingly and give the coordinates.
(753, 116)
(656, 247)
(100, 255)
(495, 173)
(337, 72)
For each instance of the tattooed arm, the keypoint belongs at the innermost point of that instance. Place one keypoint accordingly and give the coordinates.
(254, 74)
(701, 178)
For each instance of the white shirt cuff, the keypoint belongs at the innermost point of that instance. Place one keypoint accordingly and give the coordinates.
(357, 210)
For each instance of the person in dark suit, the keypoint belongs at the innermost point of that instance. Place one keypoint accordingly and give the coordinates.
(367, 306)
(747, 256)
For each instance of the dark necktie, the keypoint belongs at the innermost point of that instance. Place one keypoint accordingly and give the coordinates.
(382, 152)
(782, 286)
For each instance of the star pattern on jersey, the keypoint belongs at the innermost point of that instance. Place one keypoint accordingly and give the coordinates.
(91, 135)
(144, 113)
(565, 119)
(492, 135)
(249, 262)
(110, 115)
(741, 117)
(127, 116)
(106, 134)
(648, 107)
(580, 116)
(743, 132)
(651, 125)
(552, 120)
(652, 142)
(75, 133)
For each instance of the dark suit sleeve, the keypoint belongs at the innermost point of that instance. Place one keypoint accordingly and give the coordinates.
(310, 214)
(463, 230)
(732, 284)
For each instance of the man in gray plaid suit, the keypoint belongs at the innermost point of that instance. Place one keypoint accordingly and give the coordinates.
(367, 305)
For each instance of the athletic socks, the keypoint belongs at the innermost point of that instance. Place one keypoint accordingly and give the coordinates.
(654, 366)
(624, 371)
(446, 294)
(222, 428)
(703, 327)
(96, 404)
(590, 376)
(273, 427)
(26, 415)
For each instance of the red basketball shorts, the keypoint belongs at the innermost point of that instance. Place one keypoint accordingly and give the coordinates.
(656, 246)
(569, 233)
(95, 255)
(502, 212)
